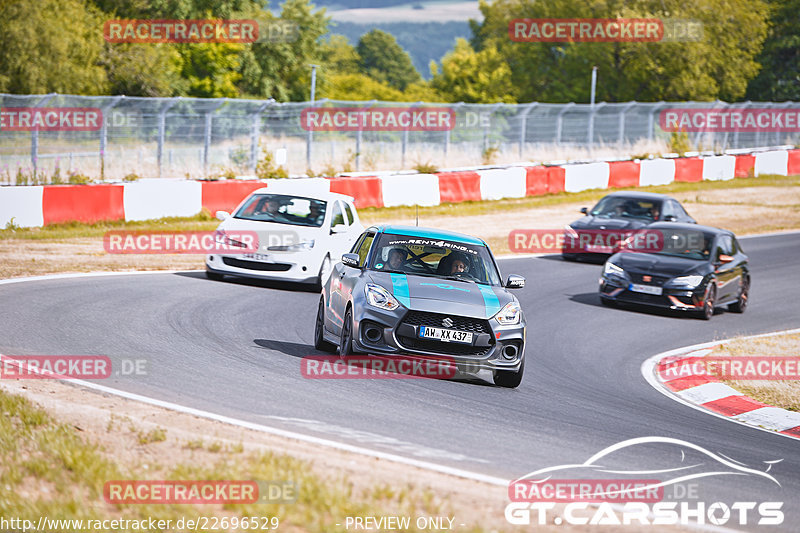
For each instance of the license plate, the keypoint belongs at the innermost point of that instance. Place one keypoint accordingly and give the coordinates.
(598, 249)
(257, 257)
(445, 335)
(646, 289)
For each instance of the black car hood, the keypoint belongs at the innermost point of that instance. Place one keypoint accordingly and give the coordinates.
(596, 223)
(437, 295)
(664, 265)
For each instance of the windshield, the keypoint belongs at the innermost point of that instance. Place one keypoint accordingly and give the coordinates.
(623, 207)
(283, 209)
(436, 258)
(689, 244)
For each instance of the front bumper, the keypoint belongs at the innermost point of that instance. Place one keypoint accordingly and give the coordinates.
(616, 289)
(395, 333)
(297, 267)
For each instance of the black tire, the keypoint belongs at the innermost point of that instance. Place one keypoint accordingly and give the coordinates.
(213, 276)
(346, 339)
(319, 340)
(744, 295)
(509, 379)
(708, 301)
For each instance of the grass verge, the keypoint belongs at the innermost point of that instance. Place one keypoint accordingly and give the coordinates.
(783, 393)
(49, 469)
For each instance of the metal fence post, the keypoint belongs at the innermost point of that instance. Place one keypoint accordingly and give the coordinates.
(162, 127)
(207, 135)
(523, 129)
(35, 138)
(651, 120)
(622, 122)
(255, 133)
(104, 135)
(560, 121)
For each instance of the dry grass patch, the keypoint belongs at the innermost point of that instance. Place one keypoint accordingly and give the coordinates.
(784, 393)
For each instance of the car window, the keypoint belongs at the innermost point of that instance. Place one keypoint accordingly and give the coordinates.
(283, 209)
(736, 246)
(727, 245)
(669, 210)
(349, 212)
(679, 210)
(627, 207)
(363, 250)
(337, 216)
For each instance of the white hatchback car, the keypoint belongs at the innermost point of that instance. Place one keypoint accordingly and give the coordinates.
(300, 236)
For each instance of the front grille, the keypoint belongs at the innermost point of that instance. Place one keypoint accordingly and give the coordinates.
(255, 265)
(445, 348)
(638, 297)
(461, 323)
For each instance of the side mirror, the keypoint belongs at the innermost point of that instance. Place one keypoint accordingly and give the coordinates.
(724, 258)
(350, 260)
(670, 218)
(223, 215)
(339, 228)
(515, 282)
(585, 210)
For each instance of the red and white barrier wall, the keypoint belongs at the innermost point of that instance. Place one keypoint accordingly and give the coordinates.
(156, 198)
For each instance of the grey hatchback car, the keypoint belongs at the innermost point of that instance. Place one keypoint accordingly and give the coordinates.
(424, 292)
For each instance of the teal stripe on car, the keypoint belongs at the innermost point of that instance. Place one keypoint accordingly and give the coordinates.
(490, 300)
(400, 289)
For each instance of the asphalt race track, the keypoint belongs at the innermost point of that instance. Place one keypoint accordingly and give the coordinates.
(234, 348)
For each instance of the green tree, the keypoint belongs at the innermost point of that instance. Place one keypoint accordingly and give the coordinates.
(779, 78)
(339, 56)
(51, 46)
(211, 69)
(358, 87)
(473, 77)
(144, 69)
(384, 60)
(717, 66)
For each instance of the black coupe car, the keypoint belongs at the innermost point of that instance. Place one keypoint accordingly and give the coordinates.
(693, 268)
(603, 228)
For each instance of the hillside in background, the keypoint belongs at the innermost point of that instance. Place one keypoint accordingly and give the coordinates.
(424, 41)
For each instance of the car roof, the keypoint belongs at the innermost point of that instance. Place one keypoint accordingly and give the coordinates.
(429, 233)
(641, 195)
(327, 196)
(689, 227)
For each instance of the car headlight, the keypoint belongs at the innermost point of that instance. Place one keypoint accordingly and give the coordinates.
(379, 297)
(299, 247)
(610, 269)
(687, 281)
(570, 232)
(223, 240)
(510, 314)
